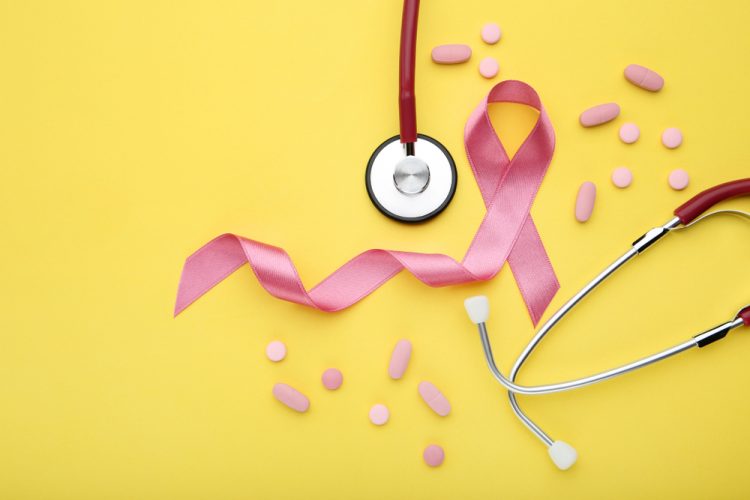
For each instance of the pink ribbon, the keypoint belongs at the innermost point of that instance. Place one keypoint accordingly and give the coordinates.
(507, 232)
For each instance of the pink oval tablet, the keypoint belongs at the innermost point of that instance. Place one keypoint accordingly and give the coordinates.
(488, 67)
(644, 78)
(434, 398)
(597, 115)
(332, 379)
(671, 138)
(585, 201)
(379, 414)
(276, 351)
(629, 133)
(451, 54)
(399, 359)
(678, 179)
(622, 177)
(491, 33)
(291, 397)
(433, 455)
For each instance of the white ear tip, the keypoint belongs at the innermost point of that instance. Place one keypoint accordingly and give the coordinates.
(563, 455)
(478, 308)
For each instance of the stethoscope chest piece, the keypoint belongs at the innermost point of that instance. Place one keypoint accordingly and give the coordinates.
(412, 182)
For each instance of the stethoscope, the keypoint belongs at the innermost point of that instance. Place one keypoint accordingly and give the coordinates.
(687, 215)
(410, 177)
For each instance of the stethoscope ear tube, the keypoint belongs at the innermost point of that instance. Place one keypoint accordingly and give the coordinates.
(407, 104)
(704, 200)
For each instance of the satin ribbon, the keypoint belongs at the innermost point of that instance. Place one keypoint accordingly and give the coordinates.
(507, 232)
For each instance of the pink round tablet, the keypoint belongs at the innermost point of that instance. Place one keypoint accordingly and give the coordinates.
(678, 179)
(276, 351)
(629, 133)
(491, 33)
(671, 138)
(622, 177)
(488, 67)
(379, 414)
(332, 379)
(433, 455)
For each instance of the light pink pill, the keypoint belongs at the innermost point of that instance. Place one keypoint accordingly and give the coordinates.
(597, 115)
(622, 177)
(399, 359)
(491, 33)
(671, 138)
(451, 54)
(585, 201)
(629, 133)
(276, 351)
(291, 397)
(644, 78)
(433, 455)
(379, 414)
(434, 398)
(678, 179)
(488, 67)
(332, 379)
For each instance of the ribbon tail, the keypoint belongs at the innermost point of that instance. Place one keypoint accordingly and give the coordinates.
(533, 271)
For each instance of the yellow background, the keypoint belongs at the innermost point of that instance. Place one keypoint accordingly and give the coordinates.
(131, 132)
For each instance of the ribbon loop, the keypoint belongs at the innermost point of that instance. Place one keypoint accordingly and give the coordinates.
(507, 232)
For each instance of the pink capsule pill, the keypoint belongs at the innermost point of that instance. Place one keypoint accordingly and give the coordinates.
(488, 67)
(597, 115)
(434, 398)
(399, 359)
(671, 138)
(433, 455)
(451, 54)
(679, 179)
(379, 414)
(332, 379)
(276, 351)
(629, 133)
(622, 177)
(291, 397)
(644, 78)
(585, 201)
(491, 33)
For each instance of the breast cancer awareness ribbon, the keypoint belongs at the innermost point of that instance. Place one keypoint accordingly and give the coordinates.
(507, 232)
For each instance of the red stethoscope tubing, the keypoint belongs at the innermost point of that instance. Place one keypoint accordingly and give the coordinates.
(406, 99)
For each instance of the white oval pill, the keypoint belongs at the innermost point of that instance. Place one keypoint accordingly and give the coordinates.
(434, 398)
(451, 54)
(585, 201)
(291, 397)
(399, 359)
(597, 115)
(671, 138)
(644, 78)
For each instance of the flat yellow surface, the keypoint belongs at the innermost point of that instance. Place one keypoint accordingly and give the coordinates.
(131, 132)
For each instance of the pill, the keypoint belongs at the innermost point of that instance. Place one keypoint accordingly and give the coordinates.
(488, 67)
(644, 78)
(379, 414)
(332, 379)
(433, 455)
(629, 133)
(622, 177)
(678, 179)
(291, 397)
(434, 398)
(276, 351)
(671, 138)
(491, 33)
(585, 201)
(451, 54)
(597, 115)
(399, 359)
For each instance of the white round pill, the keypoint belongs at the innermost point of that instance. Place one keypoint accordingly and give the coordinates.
(379, 414)
(629, 133)
(671, 138)
(276, 351)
